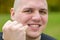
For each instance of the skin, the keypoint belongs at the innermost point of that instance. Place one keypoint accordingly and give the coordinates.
(31, 13)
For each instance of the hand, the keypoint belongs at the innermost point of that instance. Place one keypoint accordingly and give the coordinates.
(14, 31)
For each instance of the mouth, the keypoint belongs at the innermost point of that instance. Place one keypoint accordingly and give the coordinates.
(34, 27)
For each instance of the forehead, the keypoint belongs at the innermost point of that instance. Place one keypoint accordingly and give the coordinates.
(31, 3)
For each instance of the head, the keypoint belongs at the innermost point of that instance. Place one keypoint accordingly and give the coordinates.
(33, 13)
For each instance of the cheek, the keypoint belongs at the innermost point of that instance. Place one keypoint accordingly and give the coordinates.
(23, 18)
(45, 19)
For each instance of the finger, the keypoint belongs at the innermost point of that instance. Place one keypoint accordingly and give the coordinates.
(17, 26)
(6, 25)
(25, 27)
(14, 22)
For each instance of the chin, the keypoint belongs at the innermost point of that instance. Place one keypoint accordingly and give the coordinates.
(33, 35)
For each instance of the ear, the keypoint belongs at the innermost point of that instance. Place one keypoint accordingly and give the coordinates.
(12, 13)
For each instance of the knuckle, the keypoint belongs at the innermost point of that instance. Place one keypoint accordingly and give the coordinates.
(6, 26)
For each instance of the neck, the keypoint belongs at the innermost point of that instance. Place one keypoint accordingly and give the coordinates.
(29, 38)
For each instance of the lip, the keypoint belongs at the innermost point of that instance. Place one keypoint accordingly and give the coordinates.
(36, 28)
(34, 24)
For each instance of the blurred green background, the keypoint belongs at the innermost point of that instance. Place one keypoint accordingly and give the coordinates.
(53, 27)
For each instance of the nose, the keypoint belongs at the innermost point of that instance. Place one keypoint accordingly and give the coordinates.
(36, 17)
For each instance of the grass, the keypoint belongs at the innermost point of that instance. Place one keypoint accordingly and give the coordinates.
(3, 19)
(53, 27)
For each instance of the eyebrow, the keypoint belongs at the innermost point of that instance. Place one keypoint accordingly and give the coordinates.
(28, 8)
(44, 9)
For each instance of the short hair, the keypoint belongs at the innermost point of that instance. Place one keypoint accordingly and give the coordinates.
(17, 4)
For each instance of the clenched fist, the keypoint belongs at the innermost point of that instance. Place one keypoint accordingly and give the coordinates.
(14, 31)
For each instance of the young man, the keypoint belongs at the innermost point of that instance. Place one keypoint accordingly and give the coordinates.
(28, 20)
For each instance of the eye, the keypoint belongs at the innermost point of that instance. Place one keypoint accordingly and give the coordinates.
(42, 12)
(28, 11)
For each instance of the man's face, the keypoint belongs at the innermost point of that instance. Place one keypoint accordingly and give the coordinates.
(33, 13)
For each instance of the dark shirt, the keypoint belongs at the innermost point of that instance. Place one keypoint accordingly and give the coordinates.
(43, 37)
(1, 36)
(46, 37)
